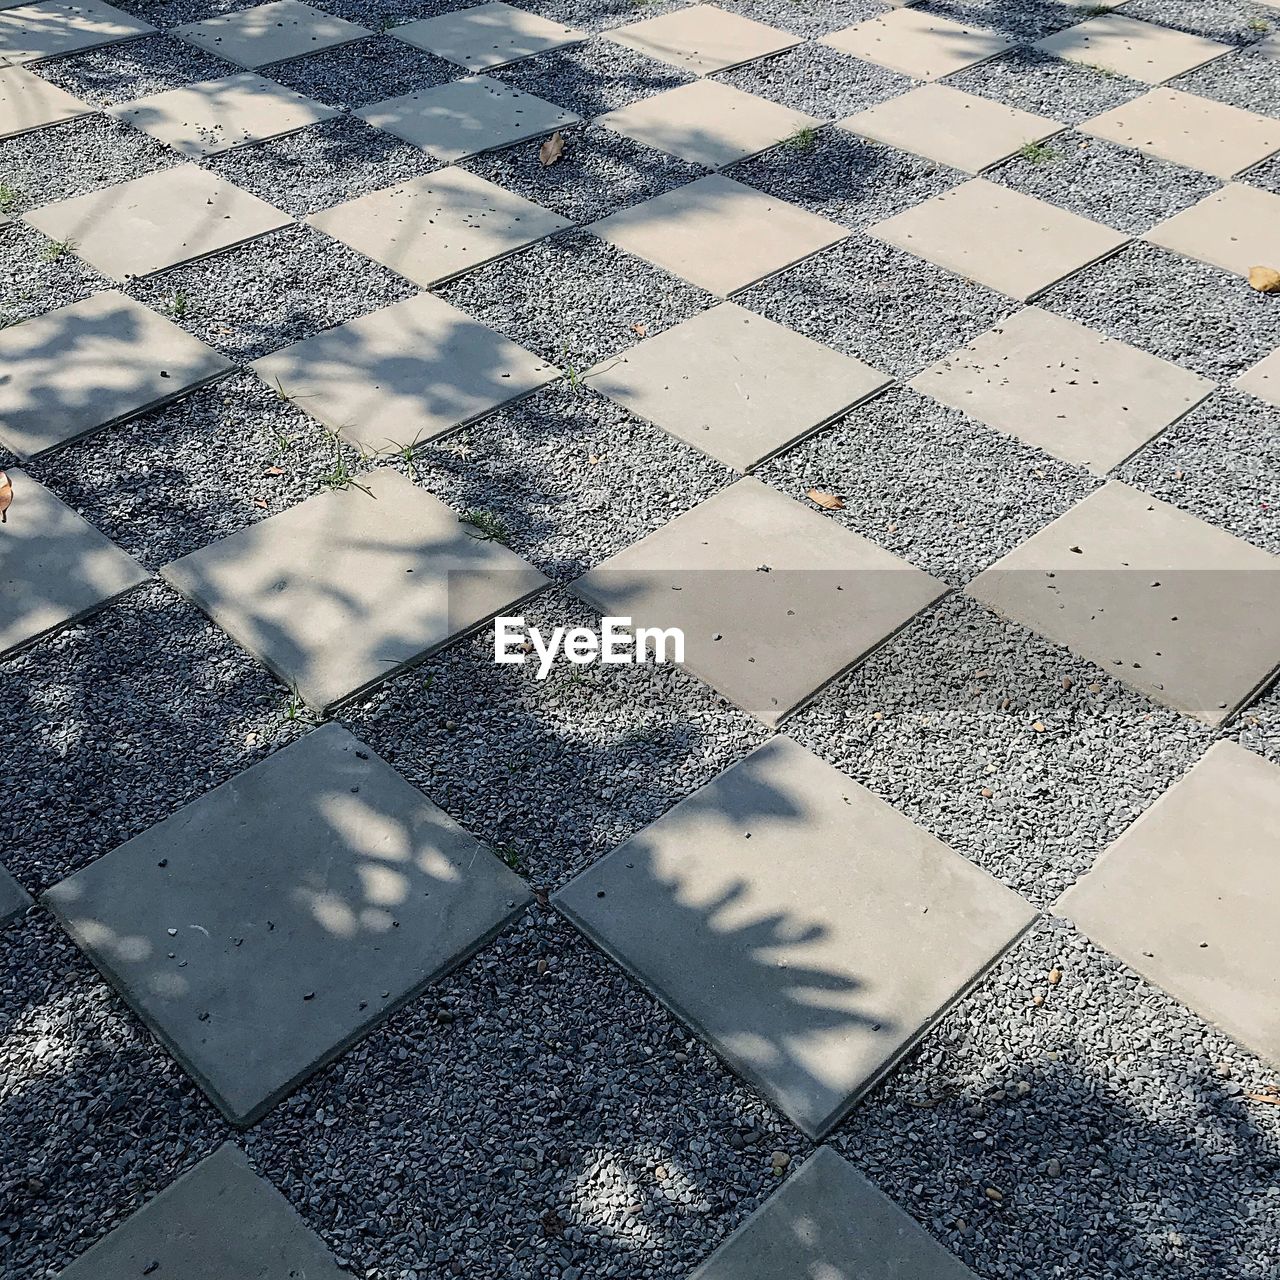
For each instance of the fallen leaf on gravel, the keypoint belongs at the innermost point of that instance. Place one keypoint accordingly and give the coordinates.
(1038, 726)
(1265, 279)
(639, 329)
(827, 500)
(274, 471)
(551, 150)
(260, 502)
(6, 497)
(1055, 977)
(1272, 1098)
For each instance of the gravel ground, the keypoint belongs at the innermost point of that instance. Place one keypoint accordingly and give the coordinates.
(958, 692)
(1265, 175)
(171, 13)
(1220, 463)
(1258, 727)
(271, 292)
(889, 308)
(354, 75)
(1245, 80)
(1115, 185)
(601, 15)
(198, 469)
(600, 173)
(1109, 1118)
(36, 276)
(818, 81)
(968, 495)
(572, 476)
(808, 18)
(1025, 20)
(122, 72)
(1144, 294)
(1230, 21)
(323, 165)
(1068, 92)
(573, 299)
(846, 179)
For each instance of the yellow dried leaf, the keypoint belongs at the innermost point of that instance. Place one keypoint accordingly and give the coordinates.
(1265, 279)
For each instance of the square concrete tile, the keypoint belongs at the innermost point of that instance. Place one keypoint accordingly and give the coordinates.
(33, 31)
(487, 35)
(1163, 601)
(827, 1222)
(27, 101)
(718, 234)
(466, 117)
(1063, 388)
(802, 926)
(1263, 380)
(268, 925)
(350, 586)
(435, 226)
(773, 598)
(1139, 50)
(403, 374)
(269, 33)
(1235, 228)
(204, 119)
(1190, 130)
(953, 128)
(735, 385)
(707, 123)
(70, 371)
(921, 45)
(14, 899)
(55, 566)
(216, 1221)
(998, 237)
(702, 38)
(142, 226)
(1189, 895)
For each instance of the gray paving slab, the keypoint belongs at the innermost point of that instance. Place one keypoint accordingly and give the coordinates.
(27, 101)
(269, 924)
(1263, 379)
(31, 32)
(54, 565)
(487, 35)
(14, 899)
(802, 926)
(922, 45)
(702, 38)
(218, 1221)
(465, 117)
(351, 585)
(828, 1222)
(139, 227)
(773, 598)
(1237, 228)
(267, 33)
(1163, 601)
(735, 385)
(73, 370)
(403, 374)
(1140, 50)
(1189, 895)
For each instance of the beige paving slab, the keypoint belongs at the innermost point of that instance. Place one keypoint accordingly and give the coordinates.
(1189, 895)
(707, 123)
(1064, 388)
(773, 598)
(1268, 48)
(466, 117)
(1263, 380)
(921, 45)
(805, 928)
(717, 233)
(403, 374)
(142, 226)
(55, 566)
(1001, 238)
(1140, 50)
(73, 370)
(1163, 601)
(702, 38)
(219, 1219)
(352, 585)
(487, 35)
(30, 32)
(1235, 228)
(1190, 130)
(432, 227)
(269, 33)
(216, 115)
(735, 385)
(27, 101)
(827, 1222)
(953, 128)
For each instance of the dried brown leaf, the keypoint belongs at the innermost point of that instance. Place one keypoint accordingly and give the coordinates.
(551, 150)
(827, 500)
(1265, 279)
(6, 497)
